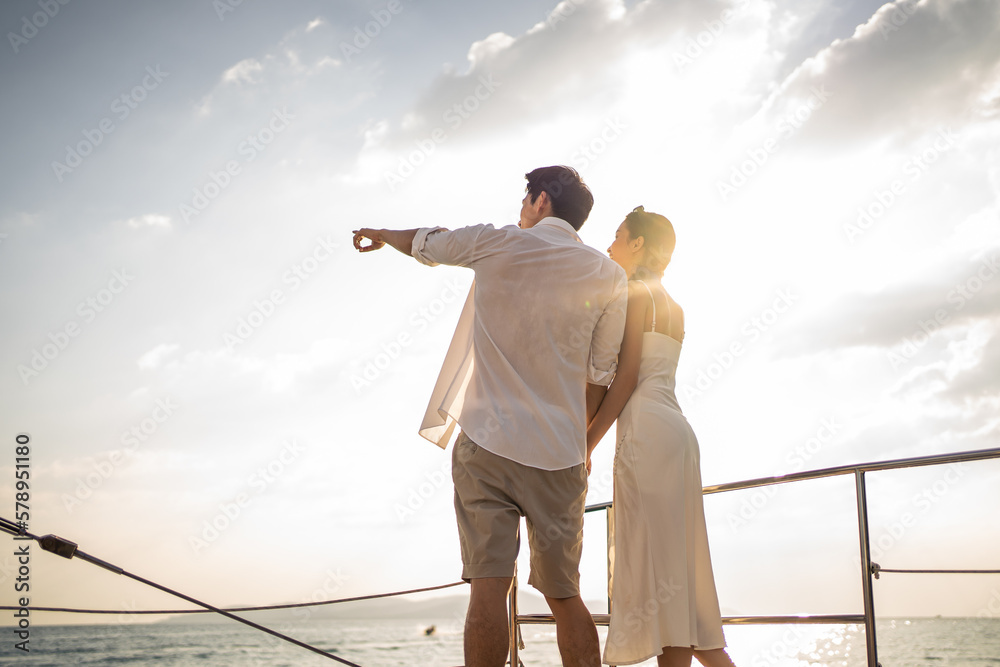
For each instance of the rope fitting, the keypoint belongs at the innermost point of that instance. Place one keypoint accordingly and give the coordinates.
(60, 546)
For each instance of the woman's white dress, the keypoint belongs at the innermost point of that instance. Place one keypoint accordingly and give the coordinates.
(662, 588)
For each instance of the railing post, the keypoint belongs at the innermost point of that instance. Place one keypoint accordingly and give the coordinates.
(866, 569)
(512, 624)
(609, 515)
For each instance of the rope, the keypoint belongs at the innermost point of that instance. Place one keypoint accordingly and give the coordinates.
(257, 626)
(68, 610)
(63, 547)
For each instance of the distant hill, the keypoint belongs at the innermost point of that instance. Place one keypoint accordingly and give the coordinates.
(450, 606)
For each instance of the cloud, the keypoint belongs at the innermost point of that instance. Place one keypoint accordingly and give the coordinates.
(327, 61)
(22, 219)
(551, 70)
(889, 58)
(934, 343)
(281, 72)
(252, 377)
(245, 71)
(153, 358)
(961, 295)
(977, 381)
(315, 23)
(149, 220)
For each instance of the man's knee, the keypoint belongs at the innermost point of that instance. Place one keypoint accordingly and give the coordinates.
(568, 607)
(490, 588)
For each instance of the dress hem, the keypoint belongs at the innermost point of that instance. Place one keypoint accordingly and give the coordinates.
(660, 652)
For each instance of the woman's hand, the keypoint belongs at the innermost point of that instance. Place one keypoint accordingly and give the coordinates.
(591, 445)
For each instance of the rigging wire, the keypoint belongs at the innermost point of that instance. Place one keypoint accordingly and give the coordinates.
(63, 547)
(296, 605)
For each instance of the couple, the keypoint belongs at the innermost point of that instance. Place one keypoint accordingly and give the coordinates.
(549, 324)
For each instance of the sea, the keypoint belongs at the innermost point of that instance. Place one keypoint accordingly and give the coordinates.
(939, 642)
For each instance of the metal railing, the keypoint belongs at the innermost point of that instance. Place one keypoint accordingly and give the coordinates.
(869, 570)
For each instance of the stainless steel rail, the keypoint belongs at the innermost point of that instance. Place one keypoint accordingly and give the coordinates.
(869, 570)
(915, 462)
(819, 619)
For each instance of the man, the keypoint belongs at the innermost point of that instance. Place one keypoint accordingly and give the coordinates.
(534, 350)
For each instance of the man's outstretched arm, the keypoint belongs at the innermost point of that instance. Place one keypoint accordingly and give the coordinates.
(400, 239)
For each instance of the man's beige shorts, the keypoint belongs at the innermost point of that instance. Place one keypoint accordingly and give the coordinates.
(492, 493)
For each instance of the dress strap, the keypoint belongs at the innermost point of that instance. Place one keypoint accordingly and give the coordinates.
(651, 299)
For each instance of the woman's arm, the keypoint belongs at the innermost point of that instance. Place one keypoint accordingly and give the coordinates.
(627, 375)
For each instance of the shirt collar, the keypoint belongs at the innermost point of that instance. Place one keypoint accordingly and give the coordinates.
(559, 223)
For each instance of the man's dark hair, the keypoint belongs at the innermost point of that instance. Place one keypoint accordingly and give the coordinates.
(571, 198)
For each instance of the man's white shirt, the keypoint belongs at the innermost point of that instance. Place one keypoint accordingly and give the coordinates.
(545, 316)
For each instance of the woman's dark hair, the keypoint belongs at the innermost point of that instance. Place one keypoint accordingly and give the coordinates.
(659, 242)
(571, 198)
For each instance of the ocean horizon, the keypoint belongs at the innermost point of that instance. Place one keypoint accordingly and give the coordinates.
(902, 642)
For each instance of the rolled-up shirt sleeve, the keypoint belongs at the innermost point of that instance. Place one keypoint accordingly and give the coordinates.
(420, 242)
(607, 339)
(457, 247)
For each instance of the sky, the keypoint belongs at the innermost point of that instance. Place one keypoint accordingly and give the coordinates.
(221, 395)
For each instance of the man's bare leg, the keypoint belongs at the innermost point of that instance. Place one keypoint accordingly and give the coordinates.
(576, 633)
(486, 631)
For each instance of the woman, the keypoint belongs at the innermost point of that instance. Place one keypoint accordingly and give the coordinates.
(663, 599)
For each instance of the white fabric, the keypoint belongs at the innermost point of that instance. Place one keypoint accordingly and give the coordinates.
(544, 317)
(662, 588)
